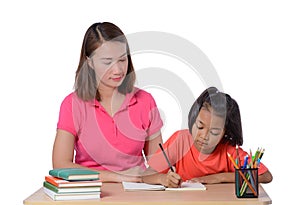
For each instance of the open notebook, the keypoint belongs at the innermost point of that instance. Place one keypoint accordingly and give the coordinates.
(133, 186)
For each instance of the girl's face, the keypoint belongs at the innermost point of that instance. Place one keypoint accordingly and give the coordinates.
(110, 63)
(207, 131)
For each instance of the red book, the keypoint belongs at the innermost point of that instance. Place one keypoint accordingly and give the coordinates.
(58, 182)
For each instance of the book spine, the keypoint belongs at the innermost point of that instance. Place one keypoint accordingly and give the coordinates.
(50, 186)
(51, 181)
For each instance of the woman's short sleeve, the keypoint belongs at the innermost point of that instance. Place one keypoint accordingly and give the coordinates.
(65, 120)
(154, 117)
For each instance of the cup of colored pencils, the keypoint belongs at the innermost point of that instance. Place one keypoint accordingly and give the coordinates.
(246, 175)
(246, 182)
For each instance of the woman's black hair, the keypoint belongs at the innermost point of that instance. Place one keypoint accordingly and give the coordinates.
(224, 106)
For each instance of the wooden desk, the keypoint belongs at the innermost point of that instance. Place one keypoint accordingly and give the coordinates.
(112, 193)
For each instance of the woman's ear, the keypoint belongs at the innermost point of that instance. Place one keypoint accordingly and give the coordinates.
(90, 62)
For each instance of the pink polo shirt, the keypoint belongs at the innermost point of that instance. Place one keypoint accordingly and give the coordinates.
(110, 143)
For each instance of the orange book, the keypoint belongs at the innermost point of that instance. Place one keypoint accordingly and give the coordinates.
(58, 182)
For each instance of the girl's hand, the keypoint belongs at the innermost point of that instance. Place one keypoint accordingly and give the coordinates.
(172, 179)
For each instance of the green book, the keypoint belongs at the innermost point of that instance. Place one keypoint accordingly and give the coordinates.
(75, 174)
(60, 190)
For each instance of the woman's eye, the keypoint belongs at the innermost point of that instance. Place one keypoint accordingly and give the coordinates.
(106, 62)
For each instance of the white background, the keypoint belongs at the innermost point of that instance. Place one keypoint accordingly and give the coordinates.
(253, 45)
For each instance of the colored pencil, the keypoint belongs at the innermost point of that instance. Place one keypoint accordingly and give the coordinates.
(237, 154)
(242, 175)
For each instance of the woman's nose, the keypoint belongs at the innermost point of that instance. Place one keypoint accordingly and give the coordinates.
(117, 67)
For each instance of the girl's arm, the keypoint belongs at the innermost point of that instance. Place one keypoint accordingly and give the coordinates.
(229, 177)
(63, 155)
(265, 177)
(215, 178)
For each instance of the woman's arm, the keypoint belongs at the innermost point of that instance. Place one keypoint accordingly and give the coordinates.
(151, 144)
(63, 155)
(63, 150)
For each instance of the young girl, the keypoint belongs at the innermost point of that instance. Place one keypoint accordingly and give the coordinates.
(200, 153)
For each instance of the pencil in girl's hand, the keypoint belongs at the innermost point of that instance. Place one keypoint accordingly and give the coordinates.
(162, 149)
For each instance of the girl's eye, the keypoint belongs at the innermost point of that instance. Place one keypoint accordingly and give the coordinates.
(214, 133)
(123, 59)
(199, 127)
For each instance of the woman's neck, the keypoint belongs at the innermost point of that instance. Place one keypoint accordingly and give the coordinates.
(108, 93)
(111, 100)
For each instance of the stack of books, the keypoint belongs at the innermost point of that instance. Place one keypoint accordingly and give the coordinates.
(72, 184)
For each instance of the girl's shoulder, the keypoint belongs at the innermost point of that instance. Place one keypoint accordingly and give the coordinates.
(180, 134)
(181, 138)
(223, 148)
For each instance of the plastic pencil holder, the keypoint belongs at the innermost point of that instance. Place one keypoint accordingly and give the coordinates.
(246, 183)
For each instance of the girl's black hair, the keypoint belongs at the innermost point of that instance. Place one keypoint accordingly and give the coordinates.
(224, 106)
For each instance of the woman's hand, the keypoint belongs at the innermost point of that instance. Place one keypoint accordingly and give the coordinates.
(133, 171)
(127, 178)
(133, 174)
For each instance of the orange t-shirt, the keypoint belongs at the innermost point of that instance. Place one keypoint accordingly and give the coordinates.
(190, 163)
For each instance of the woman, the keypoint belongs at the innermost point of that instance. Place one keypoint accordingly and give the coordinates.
(107, 121)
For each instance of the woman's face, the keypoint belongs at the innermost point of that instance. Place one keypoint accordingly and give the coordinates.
(207, 131)
(110, 63)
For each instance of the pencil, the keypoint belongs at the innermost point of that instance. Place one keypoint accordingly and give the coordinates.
(242, 175)
(255, 156)
(256, 163)
(237, 155)
(251, 160)
(244, 185)
(162, 149)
